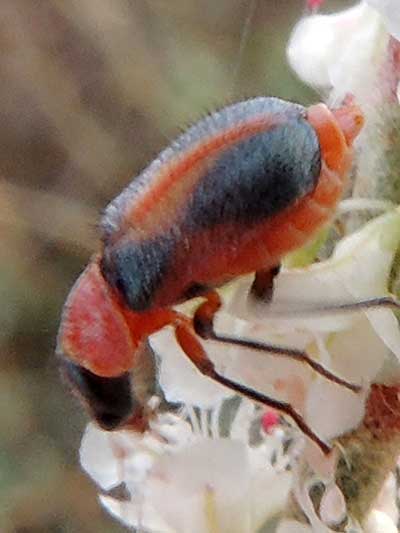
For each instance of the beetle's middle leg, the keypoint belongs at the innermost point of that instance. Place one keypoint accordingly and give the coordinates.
(192, 347)
(203, 323)
(262, 287)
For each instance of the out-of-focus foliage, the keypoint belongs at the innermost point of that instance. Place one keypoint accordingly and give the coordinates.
(90, 91)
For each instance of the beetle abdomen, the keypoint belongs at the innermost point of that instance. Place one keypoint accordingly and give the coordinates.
(256, 177)
(231, 172)
(156, 198)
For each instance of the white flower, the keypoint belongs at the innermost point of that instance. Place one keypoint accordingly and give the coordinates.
(204, 469)
(379, 522)
(178, 479)
(342, 53)
(381, 519)
(333, 506)
(185, 386)
(390, 11)
(293, 526)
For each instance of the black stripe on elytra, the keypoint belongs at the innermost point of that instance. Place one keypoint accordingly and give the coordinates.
(257, 177)
(222, 120)
(137, 269)
(250, 181)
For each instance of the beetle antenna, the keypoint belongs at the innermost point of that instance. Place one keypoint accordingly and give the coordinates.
(304, 309)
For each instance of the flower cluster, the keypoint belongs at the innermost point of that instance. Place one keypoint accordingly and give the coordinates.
(343, 53)
(193, 471)
(215, 463)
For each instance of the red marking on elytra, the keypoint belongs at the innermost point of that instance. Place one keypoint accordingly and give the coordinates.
(172, 172)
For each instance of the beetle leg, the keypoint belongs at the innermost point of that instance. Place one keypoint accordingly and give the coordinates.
(263, 284)
(203, 322)
(192, 347)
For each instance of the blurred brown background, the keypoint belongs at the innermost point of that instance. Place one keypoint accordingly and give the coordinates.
(91, 90)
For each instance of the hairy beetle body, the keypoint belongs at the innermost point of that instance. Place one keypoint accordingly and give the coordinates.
(236, 192)
(232, 195)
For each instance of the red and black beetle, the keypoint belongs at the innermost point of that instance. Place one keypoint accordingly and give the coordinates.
(232, 195)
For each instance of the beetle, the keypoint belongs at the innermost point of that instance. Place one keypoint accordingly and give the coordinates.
(232, 195)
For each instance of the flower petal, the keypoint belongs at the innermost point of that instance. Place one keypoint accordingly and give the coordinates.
(340, 51)
(333, 506)
(387, 499)
(379, 522)
(99, 451)
(266, 503)
(357, 354)
(180, 380)
(390, 11)
(138, 515)
(214, 496)
(332, 410)
(293, 526)
(364, 260)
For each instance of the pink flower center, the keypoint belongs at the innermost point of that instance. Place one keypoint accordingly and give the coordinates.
(314, 4)
(269, 420)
